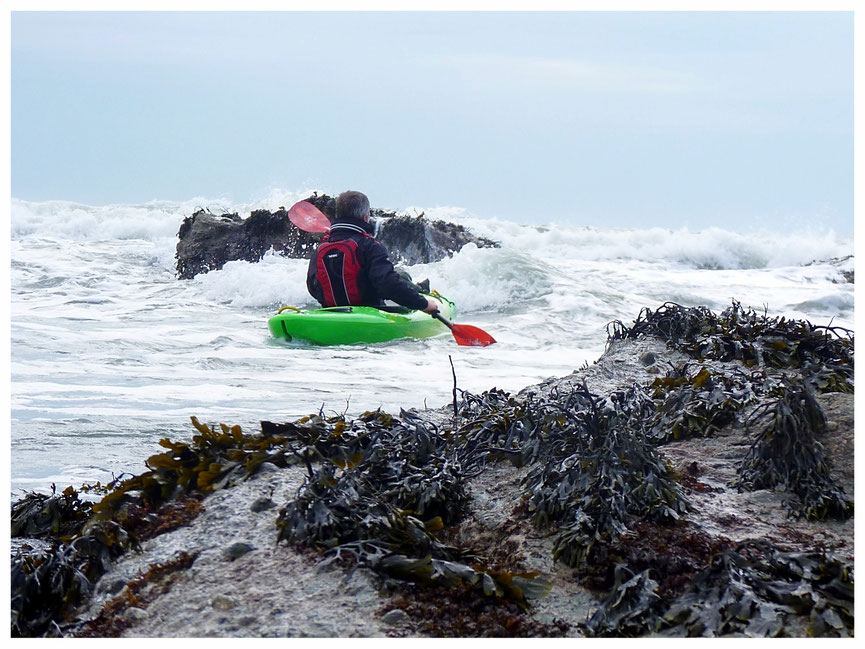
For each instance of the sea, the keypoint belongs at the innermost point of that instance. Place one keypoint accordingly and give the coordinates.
(110, 352)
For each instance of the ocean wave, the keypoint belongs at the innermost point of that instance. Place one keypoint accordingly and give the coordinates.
(270, 283)
(712, 248)
(477, 279)
(480, 279)
(78, 222)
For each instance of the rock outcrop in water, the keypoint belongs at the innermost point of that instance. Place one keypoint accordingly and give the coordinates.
(208, 241)
(843, 264)
(697, 480)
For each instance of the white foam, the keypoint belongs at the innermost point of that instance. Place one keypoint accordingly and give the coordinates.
(273, 281)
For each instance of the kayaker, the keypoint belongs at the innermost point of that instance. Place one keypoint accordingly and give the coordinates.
(349, 267)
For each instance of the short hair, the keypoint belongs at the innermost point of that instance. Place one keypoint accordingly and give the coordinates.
(352, 205)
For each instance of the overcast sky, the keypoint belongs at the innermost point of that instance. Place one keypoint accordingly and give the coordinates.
(740, 120)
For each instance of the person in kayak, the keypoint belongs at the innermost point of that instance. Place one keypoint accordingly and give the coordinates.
(349, 267)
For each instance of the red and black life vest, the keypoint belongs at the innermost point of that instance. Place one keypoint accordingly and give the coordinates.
(337, 269)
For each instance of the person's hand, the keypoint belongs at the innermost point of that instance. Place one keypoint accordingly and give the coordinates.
(431, 305)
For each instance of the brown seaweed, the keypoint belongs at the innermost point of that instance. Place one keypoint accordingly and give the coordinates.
(697, 402)
(786, 454)
(823, 353)
(750, 591)
(405, 481)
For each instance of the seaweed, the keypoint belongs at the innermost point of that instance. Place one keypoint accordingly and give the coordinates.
(754, 591)
(785, 453)
(697, 404)
(86, 538)
(823, 352)
(613, 477)
(630, 609)
(405, 481)
(670, 554)
(215, 459)
(465, 613)
(43, 586)
(41, 516)
(596, 468)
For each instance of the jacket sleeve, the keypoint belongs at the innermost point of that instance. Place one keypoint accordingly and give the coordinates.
(385, 280)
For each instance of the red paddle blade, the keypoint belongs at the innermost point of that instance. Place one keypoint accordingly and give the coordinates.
(467, 335)
(308, 218)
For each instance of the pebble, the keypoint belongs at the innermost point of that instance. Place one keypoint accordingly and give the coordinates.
(262, 504)
(236, 550)
(223, 602)
(134, 614)
(395, 617)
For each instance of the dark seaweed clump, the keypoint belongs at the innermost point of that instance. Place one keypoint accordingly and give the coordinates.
(380, 490)
(697, 402)
(596, 468)
(40, 516)
(744, 591)
(823, 354)
(786, 454)
(464, 612)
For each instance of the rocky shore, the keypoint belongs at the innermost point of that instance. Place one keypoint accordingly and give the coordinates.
(696, 480)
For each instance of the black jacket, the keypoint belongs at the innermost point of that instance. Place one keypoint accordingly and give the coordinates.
(378, 281)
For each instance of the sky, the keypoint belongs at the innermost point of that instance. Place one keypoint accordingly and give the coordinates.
(741, 120)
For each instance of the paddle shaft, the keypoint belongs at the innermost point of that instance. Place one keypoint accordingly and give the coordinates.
(438, 316)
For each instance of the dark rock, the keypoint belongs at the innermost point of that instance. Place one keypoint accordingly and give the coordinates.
(395, 616)
(262, 504)
(208, 241)
(237, 550)
(416, 240)
(647, 359)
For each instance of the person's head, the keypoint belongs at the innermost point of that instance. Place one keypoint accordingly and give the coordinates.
(352, 205)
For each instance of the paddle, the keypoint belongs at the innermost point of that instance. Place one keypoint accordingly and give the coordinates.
(466, 335)
(308, 218)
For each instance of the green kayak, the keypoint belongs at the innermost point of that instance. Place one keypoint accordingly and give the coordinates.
(344, 325)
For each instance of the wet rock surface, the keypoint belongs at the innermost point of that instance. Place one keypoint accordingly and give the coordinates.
(208, 241)
(235, 565)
